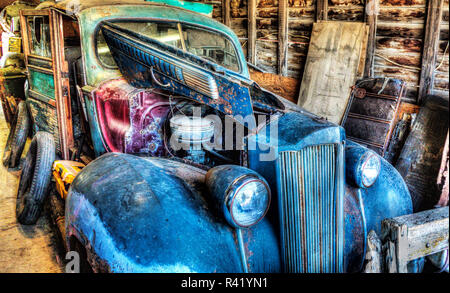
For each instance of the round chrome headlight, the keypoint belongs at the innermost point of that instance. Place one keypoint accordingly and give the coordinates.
(247, 202)
(370, 170)
(362, 166)
(241, 195)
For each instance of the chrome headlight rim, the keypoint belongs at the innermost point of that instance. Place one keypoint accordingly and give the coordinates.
(234, 189)
(369, 155)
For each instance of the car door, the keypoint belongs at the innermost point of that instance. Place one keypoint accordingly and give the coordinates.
(48, 96)
(150, 63)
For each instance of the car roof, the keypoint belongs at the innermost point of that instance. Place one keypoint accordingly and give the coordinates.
(93, 12)
(75, 7)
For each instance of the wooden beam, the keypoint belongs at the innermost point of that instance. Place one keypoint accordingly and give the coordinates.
(62, 89)
(226, 12)
(322, 10)
(282, 36)
(430, 46)
(251, 45)
(371, 12)
(413, 236)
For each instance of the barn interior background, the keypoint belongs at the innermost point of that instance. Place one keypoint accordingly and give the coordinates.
(403, 42)
(407, 40)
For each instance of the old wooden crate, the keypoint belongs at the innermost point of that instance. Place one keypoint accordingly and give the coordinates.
(409, 237)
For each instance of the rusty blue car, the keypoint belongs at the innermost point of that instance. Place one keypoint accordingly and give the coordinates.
(195, 168)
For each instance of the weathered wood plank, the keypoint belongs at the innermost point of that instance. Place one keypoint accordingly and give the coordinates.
(346, 2)
(399, 52)
(443, 34)
(268, 12)
(441, 74)
(296, 59)
(267, 24)
(425, 232)
(300, 30)
(266, 55)
(427, 239)
(226, 14)
(402, 45)
(217, 11)
(238, 8)
(239, 26)
(371, 19)
(321, 10)
(282, 37)
(403, 2)
(346, 14)
(251, 47)
(388, 58)
(434, 14)
(302, 13)
(400, 30)
(402, 14)
(302, 3)
(410, 76)
(363, 54)
(331, 67)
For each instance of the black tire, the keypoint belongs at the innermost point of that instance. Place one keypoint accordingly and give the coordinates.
(35, 178)
(17, 137)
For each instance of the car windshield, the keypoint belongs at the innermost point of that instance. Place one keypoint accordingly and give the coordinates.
(204, 43)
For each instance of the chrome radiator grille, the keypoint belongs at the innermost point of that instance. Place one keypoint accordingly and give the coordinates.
(310, 203)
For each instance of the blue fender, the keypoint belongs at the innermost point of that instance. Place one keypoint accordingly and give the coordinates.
(137, 214)
(366, 208)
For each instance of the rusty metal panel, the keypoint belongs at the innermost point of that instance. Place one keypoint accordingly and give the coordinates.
(421, 155)
(371, 113)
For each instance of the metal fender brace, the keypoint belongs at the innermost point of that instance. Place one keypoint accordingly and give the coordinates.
(242, 249)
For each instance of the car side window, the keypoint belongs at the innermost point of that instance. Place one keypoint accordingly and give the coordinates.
(212, 46)
(206, 44)
(103, 52)
(39, 27)
(165, 32)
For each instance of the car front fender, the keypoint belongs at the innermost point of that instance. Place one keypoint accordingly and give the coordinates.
(138, 215)
(366, 208)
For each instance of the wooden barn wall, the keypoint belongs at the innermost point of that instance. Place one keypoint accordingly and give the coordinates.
(398, 42)
(441, 74)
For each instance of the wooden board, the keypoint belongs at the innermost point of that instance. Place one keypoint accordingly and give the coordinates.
(332, 64)
(413, 236)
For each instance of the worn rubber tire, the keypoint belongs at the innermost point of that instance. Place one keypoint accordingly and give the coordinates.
(35, 178)
(17, 137)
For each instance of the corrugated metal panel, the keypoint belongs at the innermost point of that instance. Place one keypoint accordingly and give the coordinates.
(310, 206)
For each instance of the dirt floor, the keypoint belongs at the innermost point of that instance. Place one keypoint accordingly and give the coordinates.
(23, 249)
